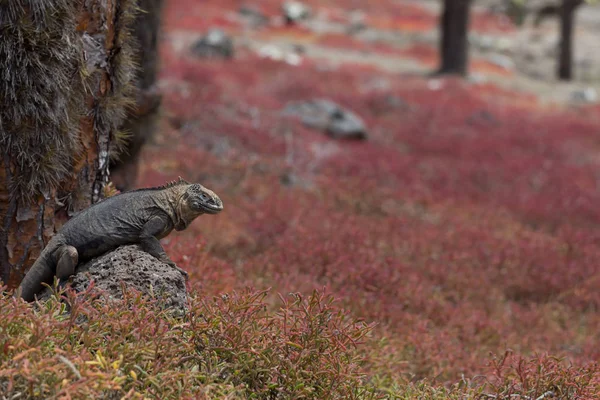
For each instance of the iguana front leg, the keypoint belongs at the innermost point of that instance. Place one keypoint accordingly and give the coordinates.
(151, 245)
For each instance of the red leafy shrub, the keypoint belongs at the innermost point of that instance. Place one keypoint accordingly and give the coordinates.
(425, 54)
(187, 16)
(227, 346)
(542, 377)
(487, 67)
(341, 41)
(495, 23)
(464, 224)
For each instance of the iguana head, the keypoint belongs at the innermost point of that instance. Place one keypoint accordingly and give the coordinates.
(195, 201)
(201, 200)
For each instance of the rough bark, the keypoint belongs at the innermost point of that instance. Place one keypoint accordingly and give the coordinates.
(141, 121)
(454, 29)
(57, 116)
(567, 22)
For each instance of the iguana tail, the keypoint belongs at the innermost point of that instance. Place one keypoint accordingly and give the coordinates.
(42, 271)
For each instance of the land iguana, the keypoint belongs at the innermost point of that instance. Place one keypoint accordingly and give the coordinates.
(141, 216)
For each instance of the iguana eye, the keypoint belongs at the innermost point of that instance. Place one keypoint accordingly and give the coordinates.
(205, 197)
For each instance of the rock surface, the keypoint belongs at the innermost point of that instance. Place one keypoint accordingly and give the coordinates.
(295, 11)
(136, 269)
(329, 117)
(587, 95)
(253, 16)
(215, 44)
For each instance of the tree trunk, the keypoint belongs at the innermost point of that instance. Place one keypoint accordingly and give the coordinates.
(141, 122)
(65, 80)
(567, 20)
(454, 29)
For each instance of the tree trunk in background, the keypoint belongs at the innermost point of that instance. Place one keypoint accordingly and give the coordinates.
(454, 29)
(567, 22)
(141, 122)
(58, 115)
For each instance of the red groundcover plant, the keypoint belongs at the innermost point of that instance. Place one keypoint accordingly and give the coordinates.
(465, 225)
(234, 345)
(230, 345)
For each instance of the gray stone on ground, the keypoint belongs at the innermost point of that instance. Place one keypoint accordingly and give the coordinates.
(136, 269)
(328, 117)
(357, 22)
(587, 95)
(388, 103)
(253, 16)
(215, 44)
(295, 11)
(484, 117)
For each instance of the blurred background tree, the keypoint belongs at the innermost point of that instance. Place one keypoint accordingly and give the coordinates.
(567, 26)
(141, 121)
(454, 30)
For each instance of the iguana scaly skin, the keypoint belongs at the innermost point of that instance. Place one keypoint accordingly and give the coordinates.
(140, 216)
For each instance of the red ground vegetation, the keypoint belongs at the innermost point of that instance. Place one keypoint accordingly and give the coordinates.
(466, 228)
(400, 16)
(466, 225)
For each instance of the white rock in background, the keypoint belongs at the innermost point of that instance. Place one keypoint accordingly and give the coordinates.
(587, 95)
(435, 84)
(215, 44)
(502, 61)
(295, 11)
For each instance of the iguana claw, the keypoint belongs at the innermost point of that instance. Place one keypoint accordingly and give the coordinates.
(183, 272)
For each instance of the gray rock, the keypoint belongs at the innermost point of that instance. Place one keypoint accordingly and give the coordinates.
(328, 117)
(288, 179)
(215, 44)
(136, 269)
(395, 102)
(483, 117)
(485, 43)
(387, 103)
(357, 22)
(253, 16)
(587, 95)
(502, 61)
(295, 11)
